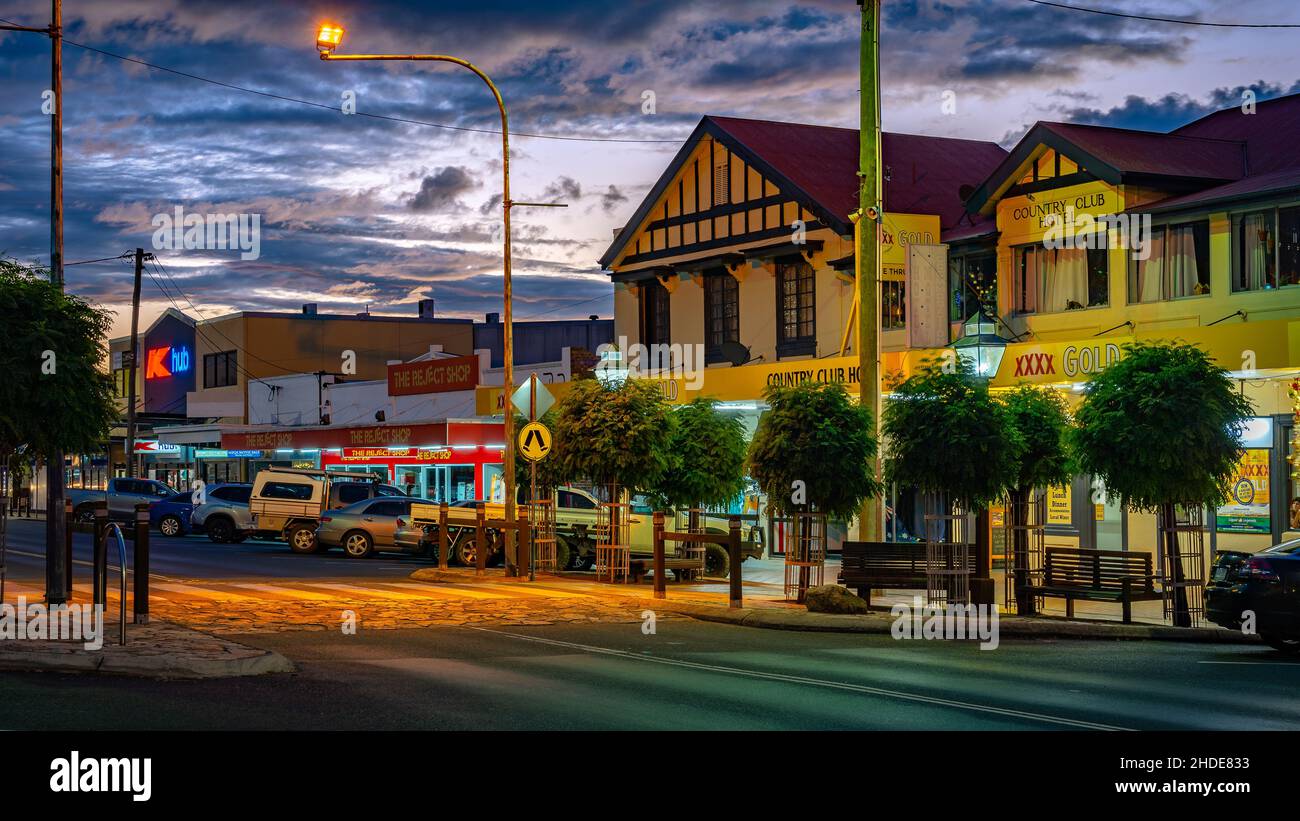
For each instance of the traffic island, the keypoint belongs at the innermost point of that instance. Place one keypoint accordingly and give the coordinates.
(156, 650)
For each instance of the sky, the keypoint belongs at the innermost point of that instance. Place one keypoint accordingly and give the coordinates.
(364, 213)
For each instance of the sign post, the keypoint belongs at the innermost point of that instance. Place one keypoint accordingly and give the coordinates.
(533, 399)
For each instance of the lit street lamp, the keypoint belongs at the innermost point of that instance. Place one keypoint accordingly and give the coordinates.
(328, 39)
(980, 346)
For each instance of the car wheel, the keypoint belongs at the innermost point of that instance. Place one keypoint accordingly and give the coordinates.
(170, 526)
(717, 564)
(301, 539)
(220, 529)
(563, 554)
(358, 544)
(466, 552)
(84, 515)
(1291, 646)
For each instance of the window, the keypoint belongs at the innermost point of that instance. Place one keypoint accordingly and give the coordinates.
(239, 494)
(569, 499)
(972, 283)
(893, 304)
(796, 319)
(389, 507)
(654, 313)
(219, 369)
(1050, 280)
(1178, 265)
(721, 184)
(287, 490)
(1267, 249)
(721, 313)
(121, 383)
(389, 490)
(347, 493)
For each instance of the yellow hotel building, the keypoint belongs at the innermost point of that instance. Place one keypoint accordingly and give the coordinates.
(745, 246)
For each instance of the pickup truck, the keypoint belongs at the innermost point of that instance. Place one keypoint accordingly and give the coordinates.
(287, 503)
(123, 495)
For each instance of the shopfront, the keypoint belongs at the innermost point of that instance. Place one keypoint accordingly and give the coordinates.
(441, 474)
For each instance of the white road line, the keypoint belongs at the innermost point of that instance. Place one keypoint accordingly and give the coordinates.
(540, 591)
(439, 590)
(203, 592)
(275, 590)
(814, 682)
(356, 590)
(1256, 663)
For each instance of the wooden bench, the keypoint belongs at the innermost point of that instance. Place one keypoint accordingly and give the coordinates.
(640, 566)
(883, 565)
(1095, 575)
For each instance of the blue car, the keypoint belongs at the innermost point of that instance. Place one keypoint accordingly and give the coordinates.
(172, 515)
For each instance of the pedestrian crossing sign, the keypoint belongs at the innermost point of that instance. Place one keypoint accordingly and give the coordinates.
(534, 441)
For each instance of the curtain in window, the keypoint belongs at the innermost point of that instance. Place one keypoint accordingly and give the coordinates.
(1183, 273)
(1065, 279)
(1150, 271)
(1255, 241)
(1031, 263)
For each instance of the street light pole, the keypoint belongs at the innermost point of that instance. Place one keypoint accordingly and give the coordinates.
(326, 42)
(867, 247)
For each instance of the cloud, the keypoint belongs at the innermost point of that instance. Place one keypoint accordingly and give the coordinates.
(611, 199)
(1174, 109)
(565, 189)
(439, 191)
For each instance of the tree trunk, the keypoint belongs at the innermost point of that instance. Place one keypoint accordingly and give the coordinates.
(1182, 616)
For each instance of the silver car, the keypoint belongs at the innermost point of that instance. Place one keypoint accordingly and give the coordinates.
(361, 528)
(225, 516)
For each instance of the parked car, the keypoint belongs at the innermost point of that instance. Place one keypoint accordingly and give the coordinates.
(225, 516)
(1266, 583)
(378, 524)
(122, 495)
(287, 503)
(172, 515)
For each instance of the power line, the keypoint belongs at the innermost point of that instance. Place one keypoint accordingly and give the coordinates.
(390, 118)
(1154, 19)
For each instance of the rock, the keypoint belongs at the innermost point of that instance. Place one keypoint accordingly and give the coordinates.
(831, 598)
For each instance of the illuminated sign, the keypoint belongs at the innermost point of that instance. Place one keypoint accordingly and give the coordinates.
(435, 376)
(161, 363)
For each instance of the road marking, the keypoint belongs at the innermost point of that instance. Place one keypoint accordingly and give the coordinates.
(813, 682)
(360, 591)
(540, 591)
(202, 592)
(274, 590)
(1256, 663)
(435, 591)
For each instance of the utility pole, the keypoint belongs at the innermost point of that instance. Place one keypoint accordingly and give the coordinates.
(56, 569)
(870, 203)
(140, 257)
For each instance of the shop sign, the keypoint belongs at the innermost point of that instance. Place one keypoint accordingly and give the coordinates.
(161, 363)
(1024, 217)
(898, 233)
(1248, 509)
(435, 376)
(154, 446)
(417, 454)
(1060, 506)
(1075, 361)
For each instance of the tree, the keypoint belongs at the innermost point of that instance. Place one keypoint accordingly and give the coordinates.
(813, 450)
(707, 465)
(1040, 418)
(945, 434)
(54, 396)
(612, 435)
(1162, 428)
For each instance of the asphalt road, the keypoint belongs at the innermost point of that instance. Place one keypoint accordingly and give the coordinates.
(688, 675)
(195, 557)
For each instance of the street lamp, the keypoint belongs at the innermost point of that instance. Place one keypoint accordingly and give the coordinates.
(328, 38)
(980, 346)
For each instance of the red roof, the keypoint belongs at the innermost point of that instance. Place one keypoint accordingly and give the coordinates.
(923, 175)
(1270, 135)
(1147, 152)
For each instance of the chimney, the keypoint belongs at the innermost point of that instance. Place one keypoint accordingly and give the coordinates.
(309, 309)
(426, 309)
(493, 318)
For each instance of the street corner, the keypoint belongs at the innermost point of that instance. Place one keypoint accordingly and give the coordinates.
(159, 650)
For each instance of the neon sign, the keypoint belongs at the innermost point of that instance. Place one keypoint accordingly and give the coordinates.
(161, 363)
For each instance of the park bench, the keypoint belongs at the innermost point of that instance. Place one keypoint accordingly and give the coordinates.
(882, 565)
(1095, 575)
(639, 566)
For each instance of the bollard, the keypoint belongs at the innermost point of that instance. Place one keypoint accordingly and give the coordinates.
(140, 602)
(523, 541)
(660, 592)
(99, 559)
(733, 550)
(480, 539)
(68, 527)
(444, 552)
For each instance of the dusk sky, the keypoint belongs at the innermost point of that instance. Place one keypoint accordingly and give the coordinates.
(361, 211)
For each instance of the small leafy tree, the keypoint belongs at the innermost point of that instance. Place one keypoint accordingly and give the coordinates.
(1041, 422)
(945, 434)
(54, 396)
(613, 435)
(813, 450)
(707, 465)
(1162, 428)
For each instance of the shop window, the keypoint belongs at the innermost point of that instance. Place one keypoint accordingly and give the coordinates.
(220, 369)
(1266, 251)
(1051, 280)
(972, 284)
(1178, 264)
(721, 313)
(796, 312)
(655, 327)
(893, 304)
